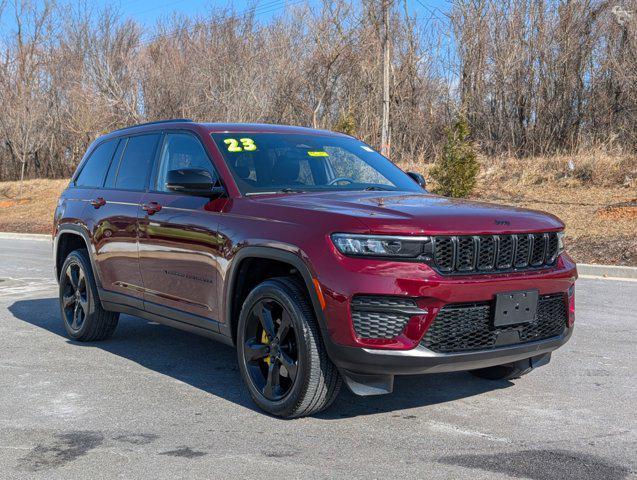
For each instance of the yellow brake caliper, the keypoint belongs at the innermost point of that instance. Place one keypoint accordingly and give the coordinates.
(265, 340)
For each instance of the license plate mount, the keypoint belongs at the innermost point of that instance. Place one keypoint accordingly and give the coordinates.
(515, 308)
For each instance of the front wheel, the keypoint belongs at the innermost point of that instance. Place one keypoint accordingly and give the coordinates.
(281, 354)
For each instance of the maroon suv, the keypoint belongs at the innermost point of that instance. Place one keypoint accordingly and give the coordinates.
(312, 253)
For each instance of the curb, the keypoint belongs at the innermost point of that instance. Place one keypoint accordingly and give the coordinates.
(606, 271)
(41, 237)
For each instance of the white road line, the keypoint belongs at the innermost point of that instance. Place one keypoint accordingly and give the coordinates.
(25, 236)
(20, 287)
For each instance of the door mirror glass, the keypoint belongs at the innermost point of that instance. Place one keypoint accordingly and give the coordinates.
(418, 178)
(193, 181)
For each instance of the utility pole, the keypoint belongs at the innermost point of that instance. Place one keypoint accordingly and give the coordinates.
(384, 133)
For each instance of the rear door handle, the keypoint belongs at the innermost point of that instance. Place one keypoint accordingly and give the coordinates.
(151, 208)
(98, 202)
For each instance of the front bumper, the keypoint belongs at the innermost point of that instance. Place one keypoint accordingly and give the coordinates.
(343, 278)
(421, 360)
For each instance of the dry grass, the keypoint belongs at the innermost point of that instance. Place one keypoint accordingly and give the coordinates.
(597, 231)
(32, 211)
(596, 196)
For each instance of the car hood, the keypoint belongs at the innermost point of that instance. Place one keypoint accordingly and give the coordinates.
(419, 213)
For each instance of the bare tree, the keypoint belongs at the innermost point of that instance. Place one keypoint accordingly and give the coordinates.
(530, 76)
(23, 82)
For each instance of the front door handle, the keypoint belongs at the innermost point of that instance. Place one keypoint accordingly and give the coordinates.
(151, 208)
(98, 202)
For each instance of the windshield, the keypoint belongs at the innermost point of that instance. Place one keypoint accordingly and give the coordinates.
(276, 162)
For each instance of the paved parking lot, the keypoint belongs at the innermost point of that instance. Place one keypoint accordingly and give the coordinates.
(153, 402)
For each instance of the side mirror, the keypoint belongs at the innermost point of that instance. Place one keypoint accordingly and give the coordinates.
(193, 181)
(418, 178)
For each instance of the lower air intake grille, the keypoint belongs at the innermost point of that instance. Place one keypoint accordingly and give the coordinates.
(382, 317)
(467, 327)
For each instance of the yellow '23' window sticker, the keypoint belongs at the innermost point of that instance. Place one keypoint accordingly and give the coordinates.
(317, 154)
(241, 145)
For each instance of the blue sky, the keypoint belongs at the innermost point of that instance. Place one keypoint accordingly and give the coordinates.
(148, 11)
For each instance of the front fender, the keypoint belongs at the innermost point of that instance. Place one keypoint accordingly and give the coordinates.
(283, 253)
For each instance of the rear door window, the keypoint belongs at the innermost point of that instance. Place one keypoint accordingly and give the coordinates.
(132, 173)
(112, 171)
(94, 170)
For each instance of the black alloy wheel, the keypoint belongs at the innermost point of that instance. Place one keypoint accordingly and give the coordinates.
(270, 352)
(282, 357)
(74, 296)
(81, 309)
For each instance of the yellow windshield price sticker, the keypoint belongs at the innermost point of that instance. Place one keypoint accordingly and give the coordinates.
(317, 154)
(241, 145)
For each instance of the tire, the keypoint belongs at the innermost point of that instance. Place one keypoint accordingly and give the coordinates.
(312, 382)
(508, 371)
(84, 318)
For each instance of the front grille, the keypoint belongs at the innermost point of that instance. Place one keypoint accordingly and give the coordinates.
(376, 316)
(486, 253)
(467, 327)
(522, 243)
(465, 254)
(505, 249)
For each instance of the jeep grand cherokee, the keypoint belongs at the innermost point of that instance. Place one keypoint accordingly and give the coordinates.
(318, 258)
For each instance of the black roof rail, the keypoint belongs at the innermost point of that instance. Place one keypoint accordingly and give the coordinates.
(157, 122)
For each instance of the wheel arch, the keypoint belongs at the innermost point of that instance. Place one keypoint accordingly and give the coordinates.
(235, 293)
(67, 239)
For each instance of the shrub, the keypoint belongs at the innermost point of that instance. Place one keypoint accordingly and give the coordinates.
(346, 124)
(457, 169)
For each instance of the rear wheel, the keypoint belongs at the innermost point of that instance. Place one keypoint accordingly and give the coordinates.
(84, 318)
(281, 353)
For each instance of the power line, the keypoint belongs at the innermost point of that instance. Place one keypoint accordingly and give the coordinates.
(267, 7)
(169, 4)
(432, 11)
(281, 3)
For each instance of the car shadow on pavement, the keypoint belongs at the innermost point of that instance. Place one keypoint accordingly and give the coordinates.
(212, 367)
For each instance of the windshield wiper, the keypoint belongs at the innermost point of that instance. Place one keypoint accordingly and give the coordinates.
(290, 190)
(376, 187)
(274, 192)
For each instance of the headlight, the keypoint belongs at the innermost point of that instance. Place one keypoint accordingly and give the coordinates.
(560, 242)
(379, 245)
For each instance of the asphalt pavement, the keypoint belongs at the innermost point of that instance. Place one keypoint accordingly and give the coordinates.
(153, 402)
